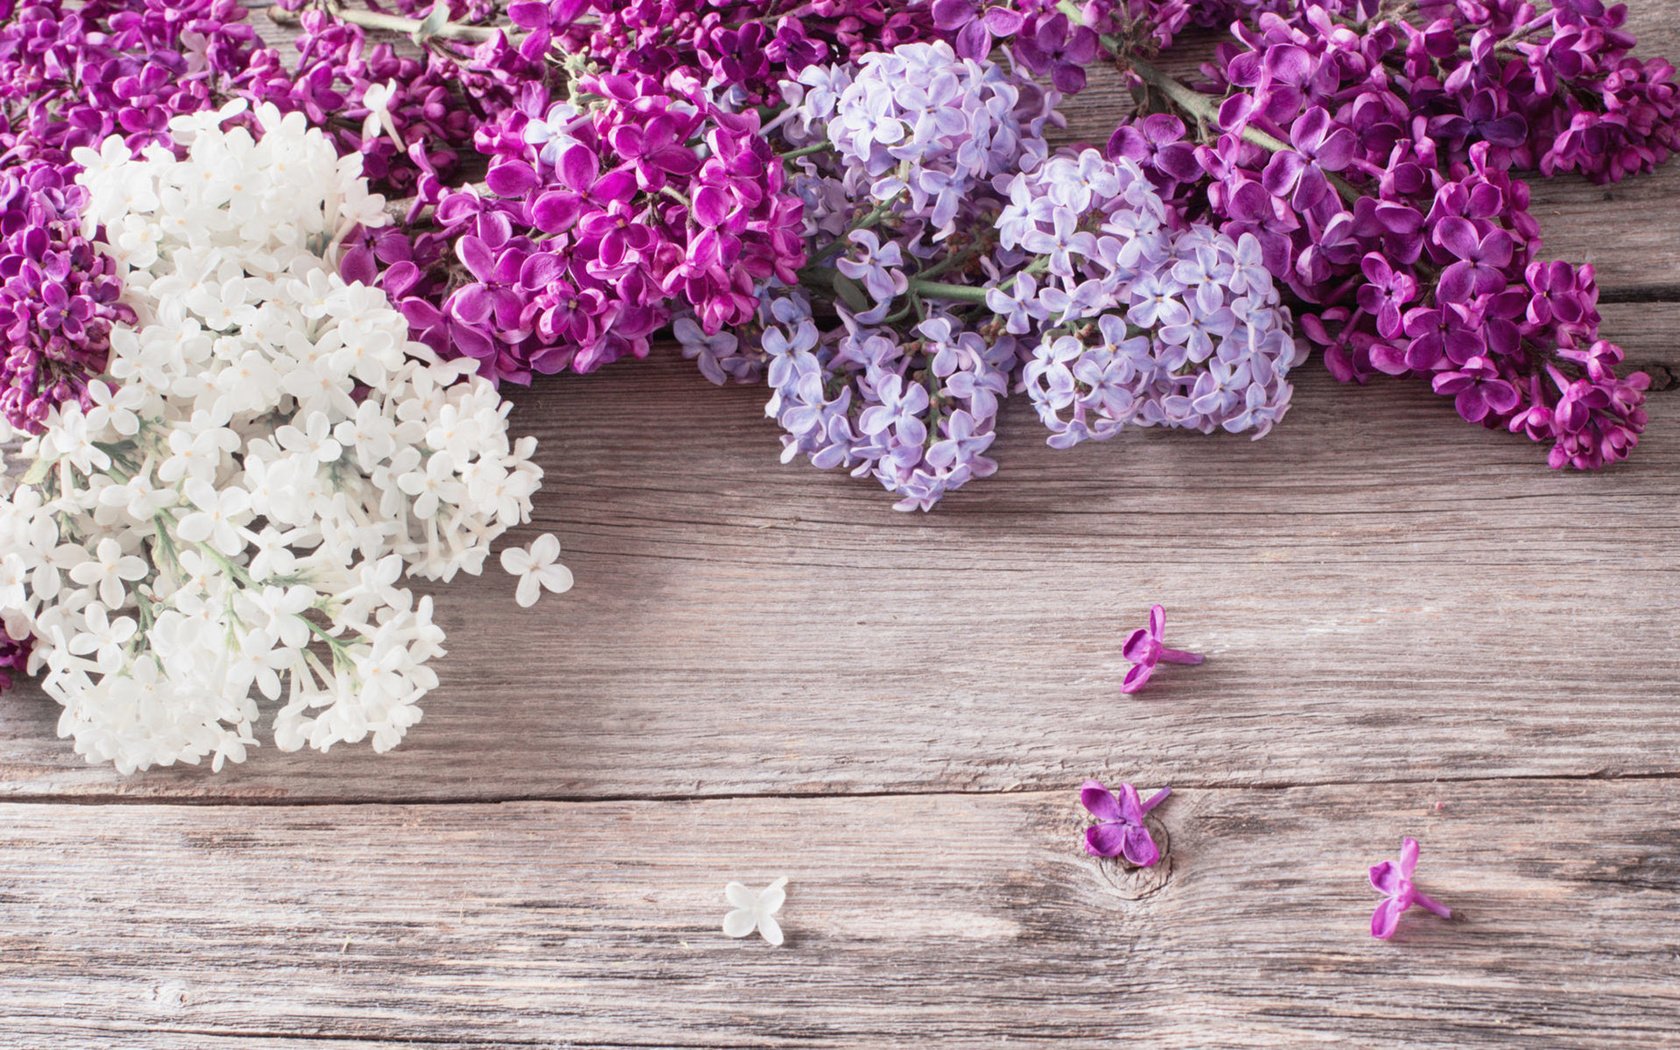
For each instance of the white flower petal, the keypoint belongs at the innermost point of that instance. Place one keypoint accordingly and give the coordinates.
(740, 922)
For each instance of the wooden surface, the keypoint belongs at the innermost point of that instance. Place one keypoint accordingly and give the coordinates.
(1412, 626)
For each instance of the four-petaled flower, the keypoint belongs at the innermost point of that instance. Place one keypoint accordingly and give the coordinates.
(1144, 650)
(1394, 881)
(755, 910)
(1119, 830)
(538, 569)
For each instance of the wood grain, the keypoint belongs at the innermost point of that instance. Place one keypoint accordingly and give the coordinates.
(960, 920)
(1413, 628)
(1384, 592)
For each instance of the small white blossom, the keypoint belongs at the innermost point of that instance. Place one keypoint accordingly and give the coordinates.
(538, 569)
(755, 910)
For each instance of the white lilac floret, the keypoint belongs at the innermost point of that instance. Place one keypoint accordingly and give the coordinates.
(233, 514)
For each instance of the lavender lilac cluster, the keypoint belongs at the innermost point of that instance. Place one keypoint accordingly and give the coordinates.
(957, 277)
(1140, 323)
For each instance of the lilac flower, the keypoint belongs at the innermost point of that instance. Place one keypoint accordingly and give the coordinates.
(1056, 46)
(1301, 173)
(1120, 829)
(1144, 650)
(1393, 879)
(1477, 389)
(1482, 259)
(880, 268)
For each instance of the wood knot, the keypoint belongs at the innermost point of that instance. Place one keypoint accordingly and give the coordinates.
(1130, 882)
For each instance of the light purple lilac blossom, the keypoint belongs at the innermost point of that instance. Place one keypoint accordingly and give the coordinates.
(920, 121)
(1143, 324)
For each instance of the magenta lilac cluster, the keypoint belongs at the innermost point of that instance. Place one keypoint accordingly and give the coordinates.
(593, 226)
(1374, 165)
(407, 118)
(58, 295)
(73, 74)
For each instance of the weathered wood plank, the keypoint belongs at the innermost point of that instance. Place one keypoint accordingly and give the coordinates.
(1385, 593)
(961, 920)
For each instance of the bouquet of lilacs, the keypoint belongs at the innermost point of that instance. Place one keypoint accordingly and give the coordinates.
(232, 512)
(859, 204)
(254, 401)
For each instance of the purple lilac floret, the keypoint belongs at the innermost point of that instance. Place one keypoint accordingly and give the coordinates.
(58, 295)
(1393, 879)
(1120, 830)
(1145, 650)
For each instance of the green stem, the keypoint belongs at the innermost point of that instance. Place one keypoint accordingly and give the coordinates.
(806, 151)
(962, 293)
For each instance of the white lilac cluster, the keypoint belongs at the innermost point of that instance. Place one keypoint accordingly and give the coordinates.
(1138, 323)
(234, 513)
(919, 121)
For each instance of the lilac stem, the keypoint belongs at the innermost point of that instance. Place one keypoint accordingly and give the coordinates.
(1424, 902)
(1156, 799)
(1179, 656)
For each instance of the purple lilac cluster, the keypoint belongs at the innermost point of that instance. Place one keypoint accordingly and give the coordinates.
(1048, 40)
(1140, 323)
(1403, 230)
(958, 276)
(58, 295)
(922, 122)
(593, 228)
(402, 114)
(917, 415)
(744, 49)
(73, 74)
(14, 657)
(900, 203)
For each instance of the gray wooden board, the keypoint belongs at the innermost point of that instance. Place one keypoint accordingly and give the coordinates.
(1412, 627)
(962, 919)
